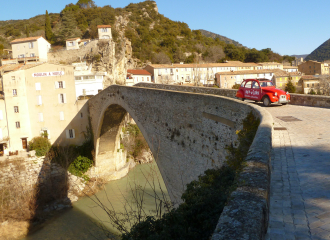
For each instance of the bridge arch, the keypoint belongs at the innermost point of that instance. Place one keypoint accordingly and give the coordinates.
(186, 132)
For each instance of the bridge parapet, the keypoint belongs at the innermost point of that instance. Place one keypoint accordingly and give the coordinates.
(187, 130)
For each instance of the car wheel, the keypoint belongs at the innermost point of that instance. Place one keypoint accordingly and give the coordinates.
(284, 103)
(243, 99)
(266, 101)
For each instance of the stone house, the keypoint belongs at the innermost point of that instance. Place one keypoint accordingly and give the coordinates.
(271, 65)
(135, 76)
(104, 31)
(309, 83)
(40, 99)
(31, 49)
(290, 68)
(72, 43)
(313, 68)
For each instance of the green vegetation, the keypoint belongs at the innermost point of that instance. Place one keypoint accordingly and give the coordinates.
(203, 200)
(321, 53)
(135, 144)
(236, 86)
(289, 87)
(80, 166)
(154, 37)
(40, 144)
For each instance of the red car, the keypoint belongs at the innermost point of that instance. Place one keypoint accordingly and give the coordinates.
(262, 90)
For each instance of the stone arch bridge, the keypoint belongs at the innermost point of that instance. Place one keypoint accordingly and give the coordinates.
(186, 128)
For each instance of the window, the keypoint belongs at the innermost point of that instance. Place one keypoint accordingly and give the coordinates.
(61, 116)
(104, 30)
(70, 133)
(62, 98)
(14, 92)
(32, 55)
(307, 84)
(31, 44)
(39, 100)
(18, 125)
(81, 115)
(40, 117)
(16, 109)
(38, 86)
(142, 79)
(147, 78)
(21, 56)
(12, 77)
(60, 84)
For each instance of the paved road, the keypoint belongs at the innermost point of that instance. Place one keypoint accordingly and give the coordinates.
(300, 182)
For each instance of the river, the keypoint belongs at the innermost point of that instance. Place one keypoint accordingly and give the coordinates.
(80, 222)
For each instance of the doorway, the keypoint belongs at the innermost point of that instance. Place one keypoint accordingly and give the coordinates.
(24, 143)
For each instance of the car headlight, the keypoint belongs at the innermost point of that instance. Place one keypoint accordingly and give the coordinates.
(287, 93)
(275, 94)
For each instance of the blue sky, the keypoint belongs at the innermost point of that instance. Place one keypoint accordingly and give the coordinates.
(285, 26)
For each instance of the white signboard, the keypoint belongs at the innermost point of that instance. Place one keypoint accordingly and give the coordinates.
(48, 74)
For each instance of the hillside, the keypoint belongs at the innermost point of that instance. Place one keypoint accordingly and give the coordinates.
(154, 37)
(321, 53)
(221, 38)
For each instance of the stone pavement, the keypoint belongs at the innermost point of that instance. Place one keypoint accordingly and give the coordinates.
(300, 179)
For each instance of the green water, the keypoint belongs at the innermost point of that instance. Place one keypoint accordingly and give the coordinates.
(80, 221)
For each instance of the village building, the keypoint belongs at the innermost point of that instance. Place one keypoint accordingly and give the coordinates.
(26, 50)
(104, 31)
(314, 68)
(310, 84)
(271, 65)
(76, 43)
(39, 99)
(194, 73)
(135, 76)
(290, 68)
(281, 78)
(229, 79)
(87, 82)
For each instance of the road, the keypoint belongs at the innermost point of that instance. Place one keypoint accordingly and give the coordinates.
(300, 179)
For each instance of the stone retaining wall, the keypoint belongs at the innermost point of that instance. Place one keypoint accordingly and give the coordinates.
(30, 171)
(310, 100)
(246, 214)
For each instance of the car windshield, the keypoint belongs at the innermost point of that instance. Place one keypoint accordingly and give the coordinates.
(266, 84)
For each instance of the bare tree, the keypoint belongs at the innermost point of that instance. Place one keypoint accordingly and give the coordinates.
(214, 54)
(161, 58)
(324, 85)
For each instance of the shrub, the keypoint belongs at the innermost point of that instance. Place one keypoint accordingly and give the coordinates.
(40, 144)
(236, 86)
(196, 218)
(80, 165)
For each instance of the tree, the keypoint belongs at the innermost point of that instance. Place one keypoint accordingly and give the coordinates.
(69, 24)
(289, 87)
(161, 58)
(214, 54)
(86, 4)
(27, 31)
(324, 85)
(48, 29)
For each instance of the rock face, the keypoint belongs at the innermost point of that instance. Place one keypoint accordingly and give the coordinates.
(146, 157)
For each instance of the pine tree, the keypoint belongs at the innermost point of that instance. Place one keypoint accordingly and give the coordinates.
(48, 29)
(290, 87)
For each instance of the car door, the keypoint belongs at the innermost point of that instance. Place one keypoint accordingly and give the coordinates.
(247, 89)
(256, 91)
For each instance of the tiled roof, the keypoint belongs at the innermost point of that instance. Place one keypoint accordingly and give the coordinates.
(247, 72)
(138, 72)
(290, 67)
(282, 73)
(72, 39)
(103, 26)
(270, 63)
(26, 39)
(205, 65)
(308, 77)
